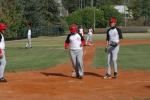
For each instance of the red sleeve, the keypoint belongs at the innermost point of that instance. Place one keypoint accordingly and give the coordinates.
(83, 42)
(0, 52)
(66, 45)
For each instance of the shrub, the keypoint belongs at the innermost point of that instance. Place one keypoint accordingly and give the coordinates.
(85, 16)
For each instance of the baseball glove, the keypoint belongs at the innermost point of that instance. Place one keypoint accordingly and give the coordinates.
(113, 44)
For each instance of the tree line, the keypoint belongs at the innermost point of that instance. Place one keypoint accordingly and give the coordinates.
(19, 13)
(139, 9)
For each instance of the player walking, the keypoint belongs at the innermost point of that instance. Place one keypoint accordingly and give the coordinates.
(2, 52)
(74, 42)
(114, 35)
(89, 36)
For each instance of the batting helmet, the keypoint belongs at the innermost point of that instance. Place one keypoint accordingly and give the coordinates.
(113, 20)
(73, 28)
(3, 26)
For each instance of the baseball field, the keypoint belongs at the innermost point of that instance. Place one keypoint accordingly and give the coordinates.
(44, 71)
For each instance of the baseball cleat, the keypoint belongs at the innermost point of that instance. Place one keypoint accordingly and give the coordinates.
(3, 80)
(80, 77)
(107, 76)
(115, 74)
(73, 74)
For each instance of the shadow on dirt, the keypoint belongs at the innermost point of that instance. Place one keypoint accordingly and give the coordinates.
(93, 74)
(54, 74)
(147, 87)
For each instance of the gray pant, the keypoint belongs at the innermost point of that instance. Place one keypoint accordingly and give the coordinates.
(2, 64)
(89, 38)
(77, 61)
(29, 42)
(112, 55)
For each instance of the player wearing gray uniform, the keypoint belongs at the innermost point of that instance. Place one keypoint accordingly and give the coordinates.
(89, 36)
(2, 52)
(74, 42)
(114, 35)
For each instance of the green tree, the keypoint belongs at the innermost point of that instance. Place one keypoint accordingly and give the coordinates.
(71, 5)
(140, 8)
(86, 16)
(12, 16)
(41, 12)
(110, 12)
(18, 13)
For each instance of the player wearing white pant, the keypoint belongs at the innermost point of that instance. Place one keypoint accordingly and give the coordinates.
(114, 35)
(2, 52)
(28, 44)
(74, 42)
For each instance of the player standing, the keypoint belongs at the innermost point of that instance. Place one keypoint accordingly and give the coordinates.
(81, 30)
(89, 36)
(28, 45)
(114, 35)
(75, 42)
(2, 52)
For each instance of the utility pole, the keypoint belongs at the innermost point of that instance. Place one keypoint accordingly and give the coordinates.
(92, 4)
(80, 4)
(125, 20)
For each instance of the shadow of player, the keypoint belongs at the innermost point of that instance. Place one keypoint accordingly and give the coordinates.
(93, 74)
(54, 74)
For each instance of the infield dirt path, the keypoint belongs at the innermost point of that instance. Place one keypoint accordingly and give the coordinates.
(57, 84)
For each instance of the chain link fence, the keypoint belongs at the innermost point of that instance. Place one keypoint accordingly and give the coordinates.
(53, 30)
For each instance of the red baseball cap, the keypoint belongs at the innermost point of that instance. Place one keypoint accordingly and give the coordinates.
(3, 26)
(73, 28)
(113, 20)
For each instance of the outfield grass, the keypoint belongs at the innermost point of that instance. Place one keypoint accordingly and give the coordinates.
(131, 57)
(46, 52)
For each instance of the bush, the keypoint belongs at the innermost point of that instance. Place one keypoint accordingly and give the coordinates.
(110, 12)
(85, 16)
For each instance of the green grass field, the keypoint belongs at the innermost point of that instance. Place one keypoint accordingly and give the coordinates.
(46, 52)
(131, 57)
(49, 51)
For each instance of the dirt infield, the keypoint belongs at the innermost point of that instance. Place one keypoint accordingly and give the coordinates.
(57, 84)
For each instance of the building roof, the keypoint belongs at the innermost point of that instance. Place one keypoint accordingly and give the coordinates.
(122, 9)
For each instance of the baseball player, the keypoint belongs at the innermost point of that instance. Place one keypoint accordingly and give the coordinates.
(81, 30)
(2, 52)
(114, 35)
(74, 42)
(28, 44)
(89, 36)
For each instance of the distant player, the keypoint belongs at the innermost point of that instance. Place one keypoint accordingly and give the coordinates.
(89, 36)
(114, 35)
(81, 30)
(2, 52)
(74, 42)
(28, 44)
